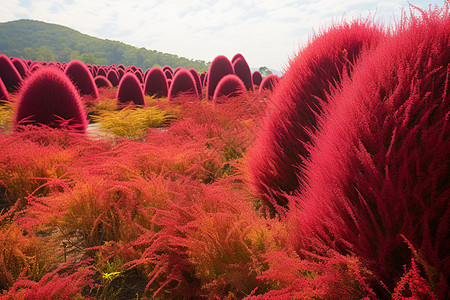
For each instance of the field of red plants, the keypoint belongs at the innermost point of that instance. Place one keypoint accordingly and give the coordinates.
(331, 182)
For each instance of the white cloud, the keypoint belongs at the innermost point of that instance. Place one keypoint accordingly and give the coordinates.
(266, 32)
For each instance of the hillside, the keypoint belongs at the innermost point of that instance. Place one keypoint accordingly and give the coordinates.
(38, 40)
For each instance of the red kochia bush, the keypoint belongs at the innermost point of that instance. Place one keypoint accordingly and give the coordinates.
(269, 82)
(219, 67)
(242, 70)
(102, 81)
(139, 76)
(156, 83)
(4, 95)
(236, 57)
(183, 82)
(282, 143)
(229, 86)
(77, 71)
(256, 78)
(113, 77)
(380, 167)
(21, 67)
(168, 74)
(130, 90)
(49, 97)
(9, 74)
(198, 83)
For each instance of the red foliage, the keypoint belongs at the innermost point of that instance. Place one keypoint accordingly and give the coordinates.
(65, 282)
(9, 74)
(156, 83)
(229, 86)
(285, 136)
(21, 67)
(202, 78)
(380, 165)
(130, 90)
(102, 72)
(219, 67)
(256, 78)
(113, 77)
(49, 97)
(168, 74)
(4, 95)
(102, 81)
(269, 82)
(198, 83)
(242, 70)
(236, 57)
(139, 76)
(77, 71)
(183, 83)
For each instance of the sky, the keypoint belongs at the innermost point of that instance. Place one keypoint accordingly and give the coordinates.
(267, 32)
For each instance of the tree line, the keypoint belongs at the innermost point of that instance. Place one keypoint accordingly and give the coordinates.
(36, 40)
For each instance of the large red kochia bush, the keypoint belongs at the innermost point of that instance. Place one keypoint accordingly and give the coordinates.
(82, 78)
(269, 82)
(183, 83)
(242, 70)
(156, 83)
(9, 74)
(113, 77)
(229, 86)
(380, 167)
(4, 95)
(198, 83)
(130, 90)
(102, 82)
(283, 141)
(256, 78)
(21, 67)
(48, 97)
(219, 68)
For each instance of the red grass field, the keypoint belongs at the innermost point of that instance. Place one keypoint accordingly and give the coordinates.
(157, 200)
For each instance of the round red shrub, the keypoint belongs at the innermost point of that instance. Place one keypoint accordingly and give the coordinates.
(102, 72)
(120, 72)
(139, 76)
(269, 82)
(130, 90)
(219, 67)
(380, 167)
(77, 71)
(236, 57)
(4, 95)
(168, 74)
(156, 83)
(21, 67)
(202, 78)
(183, 83)
(229, 86)
(102, 82)
(242, 70)
(283, 142)
(9, 74)
(198, 83)
(48, 97)
(113, 77)
(256, 78)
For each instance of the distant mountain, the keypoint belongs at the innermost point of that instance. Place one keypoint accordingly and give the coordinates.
(42, 41)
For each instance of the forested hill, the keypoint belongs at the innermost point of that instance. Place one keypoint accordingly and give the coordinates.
(42, 41)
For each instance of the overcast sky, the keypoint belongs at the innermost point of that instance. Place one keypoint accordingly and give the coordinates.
(266, 32)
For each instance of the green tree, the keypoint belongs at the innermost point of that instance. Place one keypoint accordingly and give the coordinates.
(265, 71)
(44, 53)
